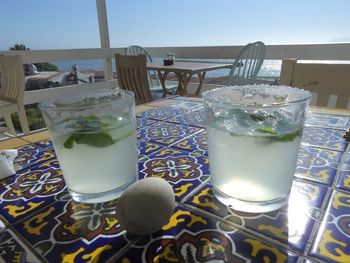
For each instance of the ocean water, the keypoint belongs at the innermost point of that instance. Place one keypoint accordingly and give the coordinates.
(270, 68)
(90, 64)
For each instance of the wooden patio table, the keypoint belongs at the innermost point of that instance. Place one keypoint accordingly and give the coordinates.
(39, 222)
(184, 71)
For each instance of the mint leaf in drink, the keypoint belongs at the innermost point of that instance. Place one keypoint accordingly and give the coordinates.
(278, 137)
(287, 137)
(99, 139)
(69, 142)
(273, 125)
(269, 130)
(93, 131)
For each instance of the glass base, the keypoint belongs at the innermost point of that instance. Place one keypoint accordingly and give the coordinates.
(99, 197)
(250, 207)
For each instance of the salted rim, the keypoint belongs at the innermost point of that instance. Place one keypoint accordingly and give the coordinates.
(50, 103)
(306, 95)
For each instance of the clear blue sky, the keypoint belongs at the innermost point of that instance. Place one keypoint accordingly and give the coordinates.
(61, 24)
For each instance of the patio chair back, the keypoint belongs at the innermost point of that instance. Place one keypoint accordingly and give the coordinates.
(247, 64)
(12, 91)
(329, 83)
(137, 50)
(153, 78)
(12, 78)
(132, 75)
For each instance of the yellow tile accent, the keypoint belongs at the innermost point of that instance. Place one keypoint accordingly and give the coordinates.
(4, 133)
(4, 137)
(36, 137)
(12, 143)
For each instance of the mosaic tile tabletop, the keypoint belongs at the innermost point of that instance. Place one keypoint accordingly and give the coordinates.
(39, 222)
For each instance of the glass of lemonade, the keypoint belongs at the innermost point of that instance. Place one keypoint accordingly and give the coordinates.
(94, 136)
(254, 134)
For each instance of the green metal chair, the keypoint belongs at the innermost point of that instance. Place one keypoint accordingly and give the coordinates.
(155, 85)
(247, 64)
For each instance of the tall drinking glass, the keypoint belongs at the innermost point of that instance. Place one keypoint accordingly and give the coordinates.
(94, 136)
(254, 135)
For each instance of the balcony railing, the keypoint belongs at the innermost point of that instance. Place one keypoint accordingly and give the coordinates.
(339, 51)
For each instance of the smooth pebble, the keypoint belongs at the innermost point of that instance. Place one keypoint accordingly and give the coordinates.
(146, 206)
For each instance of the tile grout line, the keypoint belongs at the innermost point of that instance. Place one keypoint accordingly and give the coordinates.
(122, 252)
(186, 111)
(244, 229)
(251, 232)
(306, 144)
(339, 168)
(327, 199)
(333, 187)
(318, 222)
(303, 253)
(191, 193)
(37, 164)
(27, 245)
(37, 211)
(172, 144)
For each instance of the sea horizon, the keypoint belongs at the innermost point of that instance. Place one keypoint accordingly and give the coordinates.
(270, 68)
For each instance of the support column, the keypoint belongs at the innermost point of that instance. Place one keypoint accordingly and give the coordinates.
(104, 35)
